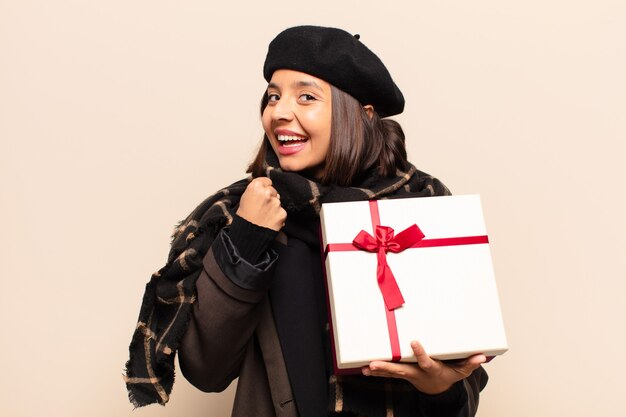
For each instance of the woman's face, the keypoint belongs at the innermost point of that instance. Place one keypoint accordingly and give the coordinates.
(297, 120)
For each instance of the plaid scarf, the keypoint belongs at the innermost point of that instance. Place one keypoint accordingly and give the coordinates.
(170, 293)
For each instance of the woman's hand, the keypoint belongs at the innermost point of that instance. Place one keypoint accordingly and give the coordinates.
(260, 204)
(429, 376)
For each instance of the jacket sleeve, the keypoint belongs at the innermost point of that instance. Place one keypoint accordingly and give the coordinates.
(459, 401)
(224, 315)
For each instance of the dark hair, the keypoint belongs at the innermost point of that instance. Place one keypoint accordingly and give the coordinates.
(357, 143)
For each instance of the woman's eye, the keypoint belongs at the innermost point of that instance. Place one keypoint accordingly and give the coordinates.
(307, 97)
(272, 97)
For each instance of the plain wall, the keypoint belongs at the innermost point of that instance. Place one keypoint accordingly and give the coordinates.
(118, 117)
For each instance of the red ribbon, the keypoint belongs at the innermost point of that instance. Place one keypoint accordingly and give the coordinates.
(384, 242)
(411, 237)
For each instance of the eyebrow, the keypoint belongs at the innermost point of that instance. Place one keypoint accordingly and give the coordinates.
(299, 84)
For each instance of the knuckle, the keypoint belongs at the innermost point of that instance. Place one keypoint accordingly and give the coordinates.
(259, 181)
(264, 181)
(426, 366)
(462, 372)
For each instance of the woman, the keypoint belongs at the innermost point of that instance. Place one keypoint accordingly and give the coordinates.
(242, 294)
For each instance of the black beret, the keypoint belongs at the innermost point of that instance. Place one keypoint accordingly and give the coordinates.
(338, 58)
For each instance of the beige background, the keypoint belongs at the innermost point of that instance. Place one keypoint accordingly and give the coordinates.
(118, 117)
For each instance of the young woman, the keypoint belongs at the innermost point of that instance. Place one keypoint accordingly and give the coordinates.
(242, 294)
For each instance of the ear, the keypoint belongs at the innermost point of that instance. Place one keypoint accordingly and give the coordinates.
(369, 109)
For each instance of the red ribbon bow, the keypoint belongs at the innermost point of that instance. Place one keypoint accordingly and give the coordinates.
(384, 242)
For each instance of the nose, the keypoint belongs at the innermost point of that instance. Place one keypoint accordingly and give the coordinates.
(283, 109)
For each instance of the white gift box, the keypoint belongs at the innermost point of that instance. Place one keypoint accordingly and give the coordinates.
(446, 279)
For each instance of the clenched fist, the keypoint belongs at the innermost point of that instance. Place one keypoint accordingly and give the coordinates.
(260, 204)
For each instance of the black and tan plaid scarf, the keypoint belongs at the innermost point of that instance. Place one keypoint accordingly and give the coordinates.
(169, 295)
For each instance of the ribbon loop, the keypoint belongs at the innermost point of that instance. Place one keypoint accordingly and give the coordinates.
(365, 241)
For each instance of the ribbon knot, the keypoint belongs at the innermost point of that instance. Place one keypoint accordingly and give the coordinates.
(386, 241)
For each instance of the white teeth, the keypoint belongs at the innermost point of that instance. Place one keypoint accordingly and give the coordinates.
(285, 138)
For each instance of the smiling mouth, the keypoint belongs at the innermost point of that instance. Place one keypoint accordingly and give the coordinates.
(291, 140)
